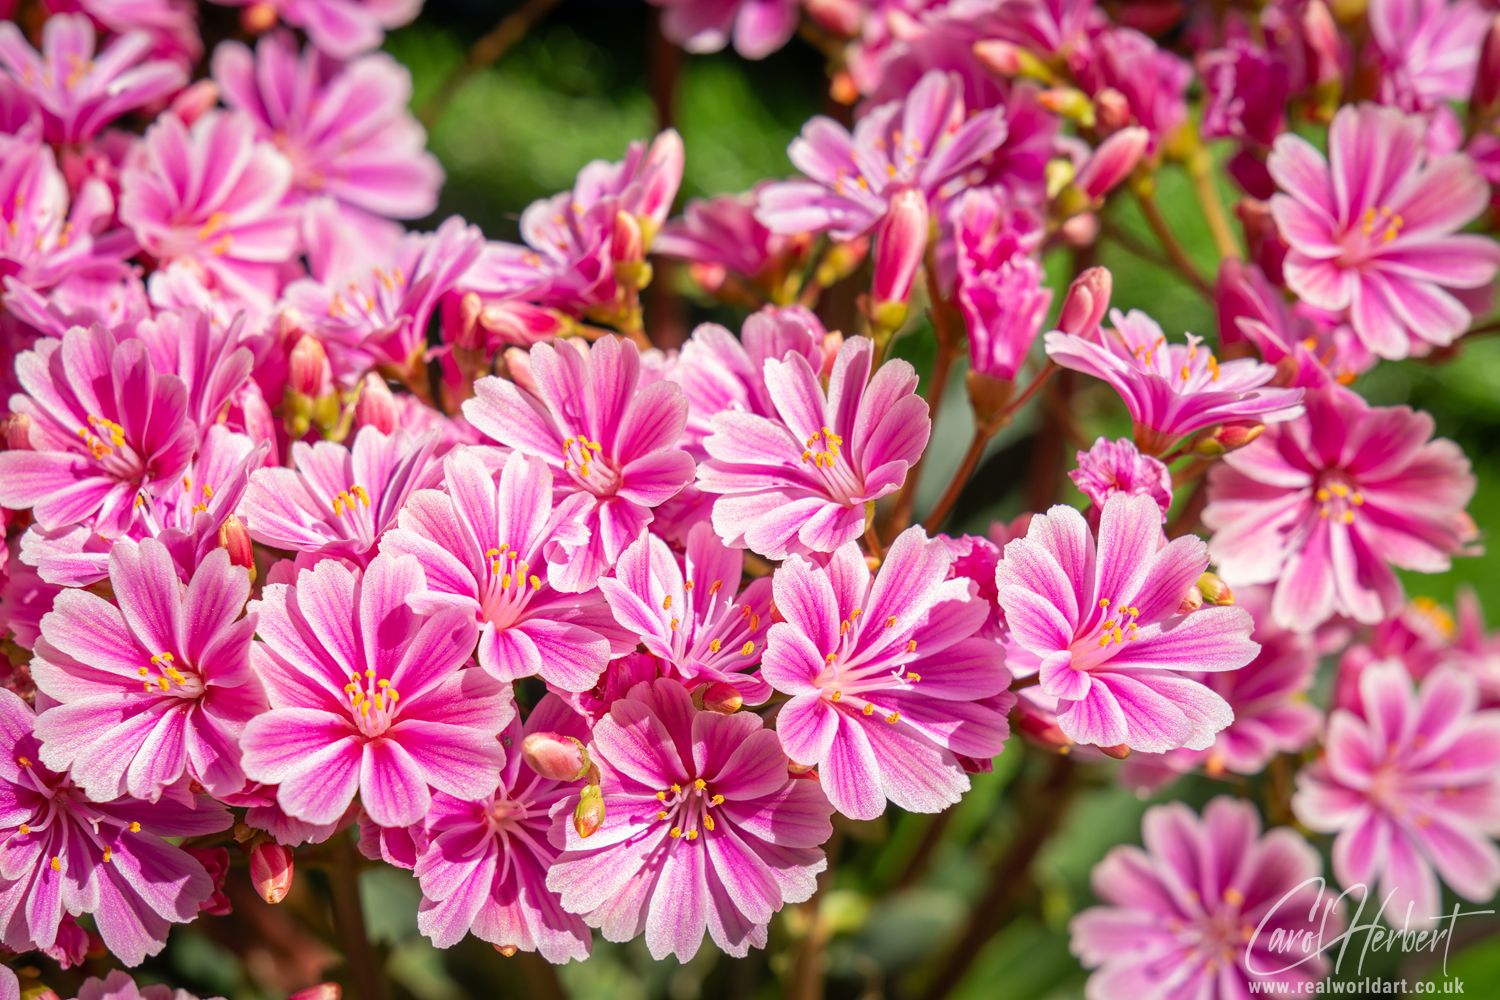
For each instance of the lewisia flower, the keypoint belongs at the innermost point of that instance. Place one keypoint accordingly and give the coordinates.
(77, 92)
(1427, 49)
(1409, 785)
(341, 28)
(852, 180)
(484, 545)
(1114, 467)
(1153, 81)
(346, 129)
(483, 864)
(62, 853)
(720, 237)
(609, 444)
(690, 612)
(877, 728)
(368, 696)
(1204, 909)
(1324, 506)
(801, 481)
(1172, 390)
(1373, 229)
(718, 839)
(107, 432)
(153, 686)
(758, 27)
(233, 227)
(1000, 287)
(1246, 90)
(1104, 627)
(338, 501)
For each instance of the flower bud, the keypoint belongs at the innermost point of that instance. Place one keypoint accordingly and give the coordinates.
(988, 395)
(518, 366)
(258, 18)
(508, 950)
(1214, 590)
(1225, 438)
(271, 870)
(1487, 78)
(794, 769)
(629, 252)
(1041, 728)
(725, 699)
(1191, 601)
(588, 815)
(1088, 299)
(525, 324)
(190, 104)
(377, 405)
(1082, 230)
(1113, 161)
(235, 539)
(841, 17)
(322, 991)
(461, 321)
(1117, 752)
(17, 432)
(1112, 109)
(1069, 102)
(552, 755)
(842, 88)
(1322, 37)
(899, 246)
(305, 367)
(832, 343)
(1005, 59)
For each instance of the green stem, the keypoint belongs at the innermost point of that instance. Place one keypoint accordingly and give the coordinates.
(366, 971)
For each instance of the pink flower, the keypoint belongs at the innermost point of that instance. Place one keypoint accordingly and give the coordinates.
(800, 481)
(1427, 50)
(187, 647)
(212, 195)
(1204, 909)
(341, 28)
(1323, 507)
(720, 372)
(876, 728)
(1269, 698)
(171, 24)
(1154, 82)
(1372, 229)
(1411, 789)
(1246, 90)
(107, 433)
(77, 92)
(346, 128)
(61, 853)
(483, 864)
(920, 144)
(1000, 288)
(1104, 629)
(758, 27)
(1114, 467)
(609, 443)
(721, 235)
(368, 696)
(690, 612)
(484, 545)
(703, 828)
(1172, 390)
(338, 501)
(119, 986)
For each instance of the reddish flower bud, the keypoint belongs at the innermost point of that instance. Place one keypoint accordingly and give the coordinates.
(841, 17)
(258, 18)
(552, 755)
(1191, 601)
(215, 861)
(1070, 102)
(588, 815)
(461, 322)
(795, 769)
(322, 991)
(629, 251)
(271, 870)
(1218, 441)
(1080, 231)
(190, 104)
(842, 87)
(1087, 302)
(722, 698)
(832, 342)
(999, 56)
(1111, 110)
(1113, 161)
(518, 365)
(508, 950)
(306, 367)
(235, 539)
(1117, 752)
(899, 246)
(1487, 78)
(377, 405)
(1215, 590)
(525, 324)
(17, 432)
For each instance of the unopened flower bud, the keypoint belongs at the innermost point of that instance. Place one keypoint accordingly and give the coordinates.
(190, 104)
(1041, 729)
(629, 252)
(1112, 110)
(1221, 440)
(841, 17)
(842, 88)
(1086, 302)
(235, 539)
(525, 324)
(376, 406)
(305, 367)
(1117, 752)
(1322, 37)
(1113, 161)
(258, 18)
(508, 950)
(588, 815)
(1191, 601)
(322, 991)
(518, 366)
(17, 432)
(1082, 230)
(1486, 97)
(1070, 102)
(461, 322)
(721, 697)
(1005, 59)
(554, 756)
(1215, 590)
(271, 870)
(794, 768)
(832, 342)
(899, 246)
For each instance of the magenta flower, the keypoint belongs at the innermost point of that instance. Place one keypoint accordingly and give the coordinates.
(483, 864)
(1172, 390)
(1205, 910)
(188, 648)
(1000, 288)
(1372, 229)
(491, 547)
(1323, 507)
(119, 986)
(720, 236)
(77, 92)
(720, 372)
(1427, 50)
(212, 195)
(368, 696)
(171, 24)
(920, 144)
(703, 828)
(61, 853)
(346, 128)
(758, 27)
(876, 728)
(1246, 91)
(1105, 630)
(338, 501)
(107, 432)
(341, 28)
(1114, 467)
(1410, 787)
(610, 444)
(800, 481)
(689, 611)
(1153, 81)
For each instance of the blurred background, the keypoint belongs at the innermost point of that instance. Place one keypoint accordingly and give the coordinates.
(970, 904)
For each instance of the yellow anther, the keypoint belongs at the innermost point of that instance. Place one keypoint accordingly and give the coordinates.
(1185, 373)
(747, 649)
(676, 831)
(837, 695)
(359, 491)
(713, 646)
(1321, 496)
(715, 588)
(676, 789)
(662, 814)
(536, 582)
(108, 854)
(700, 784)
(56, 865)
(25, 829)
(666, 603)
(1233, 896)
(505, 581)
(1103, 602)
(893, 717)
(23, 761)
(161, 682)
(717, 800)
(911, 647)
(143, 671)
(913, 678)
(1348, 516)
(708, 823)
(370, 674)
(869, 709)
(1359, 499)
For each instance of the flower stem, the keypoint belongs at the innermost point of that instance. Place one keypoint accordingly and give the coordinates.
(807, 967)
(1145, 196)
(490, 47)
(1200, 169)
(366, 971)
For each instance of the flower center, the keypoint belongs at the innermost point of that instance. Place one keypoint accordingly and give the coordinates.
(824, 454)
(720, 639)
(1338, 497)
(374, 702)
(1094, 645)
(504, 593)
(1377, 227)
(688, 810)
(169, 680)
(852, 677)
(583, 461)
(505, 815)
